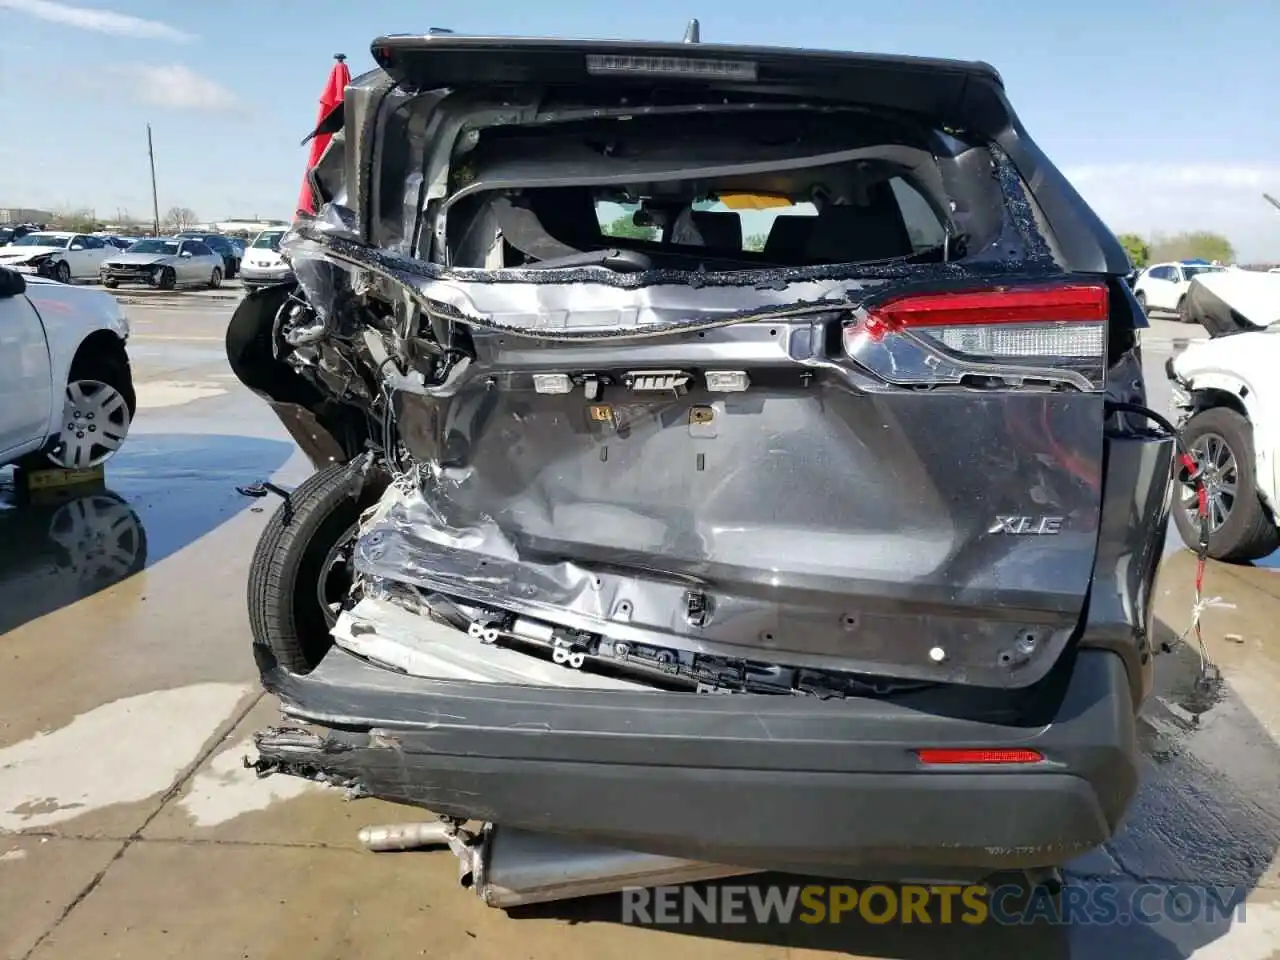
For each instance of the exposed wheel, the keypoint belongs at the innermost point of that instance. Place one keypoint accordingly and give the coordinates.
(110, 284)
(97, 412)
(1142, 301)
(62, 271)
(301, 570)
(1184, 313)
(165, 278)
(1241, 528)
(215, 278)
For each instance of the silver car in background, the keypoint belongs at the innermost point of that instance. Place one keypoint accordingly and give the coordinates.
(262, 264)
(164, 263)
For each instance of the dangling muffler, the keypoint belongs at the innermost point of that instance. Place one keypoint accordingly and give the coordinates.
(510, 868)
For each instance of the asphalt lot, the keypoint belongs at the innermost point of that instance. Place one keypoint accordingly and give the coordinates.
(139, 295)
(128, 827)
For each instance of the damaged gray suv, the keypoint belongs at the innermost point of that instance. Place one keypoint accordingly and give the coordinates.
(719, 456)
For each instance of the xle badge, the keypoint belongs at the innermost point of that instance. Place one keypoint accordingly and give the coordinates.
(1027, 526)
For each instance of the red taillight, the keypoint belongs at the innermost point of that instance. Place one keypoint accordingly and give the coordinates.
(949, 755)
(1077, 303)
(1042, 332)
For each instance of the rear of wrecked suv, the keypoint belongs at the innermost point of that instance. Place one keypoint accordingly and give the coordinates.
(718, 461)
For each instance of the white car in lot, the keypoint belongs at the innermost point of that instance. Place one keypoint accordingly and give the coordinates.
(263, 265)
(61, 256)
(66, 389)
(1228, 396)
(1162, 287)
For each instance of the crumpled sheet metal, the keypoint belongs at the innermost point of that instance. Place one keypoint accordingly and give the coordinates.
(426, 538)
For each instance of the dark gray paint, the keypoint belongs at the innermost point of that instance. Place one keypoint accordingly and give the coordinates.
(829, 525)
(832, 785)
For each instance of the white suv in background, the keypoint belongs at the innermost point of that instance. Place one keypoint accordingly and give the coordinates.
(1162, 287)
(262, 264)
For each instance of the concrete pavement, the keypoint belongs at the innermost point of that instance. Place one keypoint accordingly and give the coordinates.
(129, 827)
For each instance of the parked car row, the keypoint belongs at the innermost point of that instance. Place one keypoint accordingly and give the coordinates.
(14, 231)
(165, 263)
(161, 262)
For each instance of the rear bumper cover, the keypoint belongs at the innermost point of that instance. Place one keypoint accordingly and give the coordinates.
(767, 782)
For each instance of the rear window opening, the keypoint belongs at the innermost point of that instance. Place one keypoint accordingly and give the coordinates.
(719, 193)
(894, 220)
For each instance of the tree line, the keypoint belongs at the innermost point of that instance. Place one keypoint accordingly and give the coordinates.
(86, 220)
(1192, 245)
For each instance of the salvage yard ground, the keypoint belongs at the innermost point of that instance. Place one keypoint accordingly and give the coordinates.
(130, 828)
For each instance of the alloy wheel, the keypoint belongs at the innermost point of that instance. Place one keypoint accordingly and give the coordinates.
(1221, 475)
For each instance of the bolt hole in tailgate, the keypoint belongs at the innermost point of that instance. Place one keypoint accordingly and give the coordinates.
(747, 374)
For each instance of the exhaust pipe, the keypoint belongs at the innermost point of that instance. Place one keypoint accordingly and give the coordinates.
(511, 868)
(520, 867)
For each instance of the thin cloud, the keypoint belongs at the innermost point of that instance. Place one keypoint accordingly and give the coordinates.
(1166, 198)
(97, 21)
(1257, 176)
(176, 87)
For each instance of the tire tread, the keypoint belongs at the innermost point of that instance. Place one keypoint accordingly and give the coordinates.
(286, 539)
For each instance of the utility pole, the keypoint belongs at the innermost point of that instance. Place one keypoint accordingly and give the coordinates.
(155, 198)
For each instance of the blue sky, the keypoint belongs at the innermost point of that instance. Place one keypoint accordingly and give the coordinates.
(1163, 112)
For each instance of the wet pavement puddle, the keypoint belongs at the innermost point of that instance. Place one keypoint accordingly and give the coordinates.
(125, 751)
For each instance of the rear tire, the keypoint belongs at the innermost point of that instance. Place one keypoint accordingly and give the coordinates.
(286, 613)
(215, 279)
(1248, 531)
(1184, 314)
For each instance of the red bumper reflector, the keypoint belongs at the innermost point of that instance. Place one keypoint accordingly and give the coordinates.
(947, 755)
(1078, 302)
